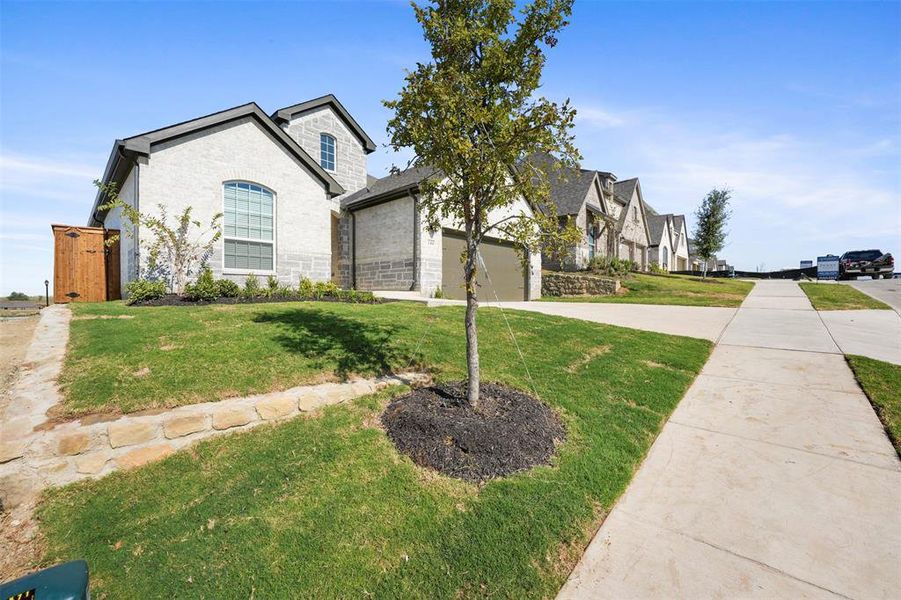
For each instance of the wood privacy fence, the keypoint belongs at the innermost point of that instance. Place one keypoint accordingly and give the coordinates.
(85, 265)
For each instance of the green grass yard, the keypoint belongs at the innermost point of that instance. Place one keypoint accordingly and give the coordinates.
(324, 506)
(644, 288)
(882, 383)
(837, 296)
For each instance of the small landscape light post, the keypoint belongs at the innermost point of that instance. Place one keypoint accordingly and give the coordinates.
(46, 292)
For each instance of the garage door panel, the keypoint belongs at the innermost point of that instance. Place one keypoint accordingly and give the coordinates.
(503, 265)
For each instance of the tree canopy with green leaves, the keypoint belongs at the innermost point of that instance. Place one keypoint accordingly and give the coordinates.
(710, 227)
(473, 116)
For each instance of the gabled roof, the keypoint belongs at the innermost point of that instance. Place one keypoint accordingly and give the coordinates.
(125, 151)
(623, 190)
(283, 115)
(388, 188)
(656, 227)
(569, 187)
(678, 222)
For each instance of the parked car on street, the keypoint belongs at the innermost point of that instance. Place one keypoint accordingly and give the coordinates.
(872, 263)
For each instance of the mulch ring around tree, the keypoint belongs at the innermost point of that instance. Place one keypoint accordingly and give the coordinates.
(438, 428)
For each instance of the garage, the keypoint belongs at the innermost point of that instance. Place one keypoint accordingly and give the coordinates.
(501, 260)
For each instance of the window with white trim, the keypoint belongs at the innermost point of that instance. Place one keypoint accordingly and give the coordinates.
(249, 227)
(327, 151)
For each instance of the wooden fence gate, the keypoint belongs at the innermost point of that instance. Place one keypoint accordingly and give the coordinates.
(85, 267)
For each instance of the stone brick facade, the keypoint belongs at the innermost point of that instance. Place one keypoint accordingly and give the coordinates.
(574, 284)
(191, 171)
(350, 155)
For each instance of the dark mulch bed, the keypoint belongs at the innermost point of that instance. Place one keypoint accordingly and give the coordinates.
(176, 300)
(437, 428)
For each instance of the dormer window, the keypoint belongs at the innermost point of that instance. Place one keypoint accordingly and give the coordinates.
(327, 151)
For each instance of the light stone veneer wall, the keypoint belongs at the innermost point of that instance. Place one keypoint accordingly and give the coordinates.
(655, 253)
(191, 171)
(633, 231)
(350, 156)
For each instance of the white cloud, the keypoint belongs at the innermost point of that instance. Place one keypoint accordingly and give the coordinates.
(46, 178)
(599, 117)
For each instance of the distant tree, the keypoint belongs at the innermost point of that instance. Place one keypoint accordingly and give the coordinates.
(710, 224)
(18, 296)
(174, 252)
(473, 116)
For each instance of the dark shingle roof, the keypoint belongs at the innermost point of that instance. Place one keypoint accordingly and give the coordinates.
(623, 190)
(569, 187)
(406, 181)
(656, 226)
(678, 222)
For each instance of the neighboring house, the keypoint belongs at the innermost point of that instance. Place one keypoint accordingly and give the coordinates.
(679, 232)
(660, 250)
(296, 202)
(632, 234)
(582, 196)
(695, 262)
(387, 245)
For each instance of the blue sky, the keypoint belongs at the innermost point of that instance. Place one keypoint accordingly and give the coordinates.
(796, 106)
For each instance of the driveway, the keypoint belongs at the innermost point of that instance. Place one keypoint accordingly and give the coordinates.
(886, 290)
(773, 477)
(693, 321)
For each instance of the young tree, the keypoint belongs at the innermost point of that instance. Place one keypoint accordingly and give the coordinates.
(473, 116)
(710, 227)
(174, 253)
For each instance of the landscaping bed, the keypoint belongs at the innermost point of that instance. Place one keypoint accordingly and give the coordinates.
(437, 427)
(648, 288)
(325, 505)
(351, 296)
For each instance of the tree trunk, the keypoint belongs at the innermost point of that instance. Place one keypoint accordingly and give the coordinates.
(472, 339)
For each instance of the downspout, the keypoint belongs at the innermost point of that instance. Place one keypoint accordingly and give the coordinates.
(415, 281)
(353, 250)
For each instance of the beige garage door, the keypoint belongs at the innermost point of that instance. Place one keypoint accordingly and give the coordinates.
(501, 260)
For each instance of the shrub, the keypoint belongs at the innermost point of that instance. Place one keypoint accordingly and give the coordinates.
(305, 288)
(204, 289)
(438, 293)
(141, 290)
(272, 283)
(284, 291)
(228, 288)
(324, 288)
(611, 267)
(251, 287)
(657, 269)
(18, 296)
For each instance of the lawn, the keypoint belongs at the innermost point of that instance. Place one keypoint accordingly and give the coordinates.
(324, 506)
(645, 288)
(837, 296)
(882, 383)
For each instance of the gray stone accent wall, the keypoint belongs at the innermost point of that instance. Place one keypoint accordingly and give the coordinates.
(385, 274)
(572, 284)
(385, 234)
(350, 156)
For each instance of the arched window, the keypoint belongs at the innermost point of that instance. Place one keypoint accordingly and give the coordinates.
(665, 258)
(327, 151)
(249, 231)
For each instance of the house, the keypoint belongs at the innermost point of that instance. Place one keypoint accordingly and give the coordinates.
(387, 245)
(632, 234)
(296, 201)
(660, 250)
(695, 262)
(669, 241)
(680, 243)
(582, 196)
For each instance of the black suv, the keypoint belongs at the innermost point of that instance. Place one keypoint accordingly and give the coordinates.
(866, 262)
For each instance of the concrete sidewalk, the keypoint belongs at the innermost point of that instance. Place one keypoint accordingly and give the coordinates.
(772, 479)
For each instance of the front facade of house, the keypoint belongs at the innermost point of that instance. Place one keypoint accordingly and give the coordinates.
(680, 243)
(633, 237)
(660, 252)
(280, 182)
(388, 245)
